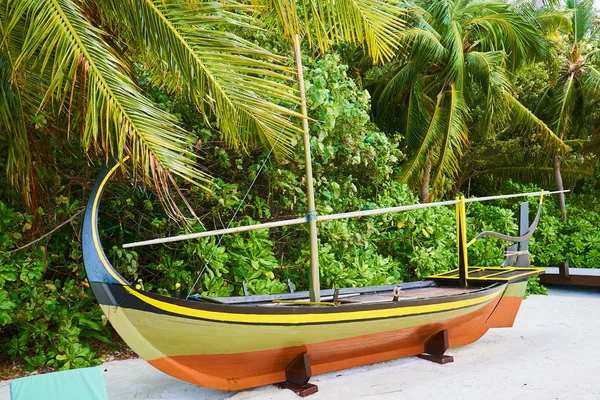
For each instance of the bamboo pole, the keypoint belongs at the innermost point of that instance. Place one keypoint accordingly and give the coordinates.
(197, 235)
(323, 218)
(510, 196)
(315, 287)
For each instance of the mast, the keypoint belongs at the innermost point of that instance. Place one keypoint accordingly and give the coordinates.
(311, 216)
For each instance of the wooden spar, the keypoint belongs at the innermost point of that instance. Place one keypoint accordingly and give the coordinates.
(510, 196)
(295, 221)
(267, 225)
(314, 284)
(323, 218)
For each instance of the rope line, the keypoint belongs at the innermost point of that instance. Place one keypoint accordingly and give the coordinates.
(212, 253)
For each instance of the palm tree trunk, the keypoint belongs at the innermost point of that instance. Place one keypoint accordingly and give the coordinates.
(424, 189)
(559, 186)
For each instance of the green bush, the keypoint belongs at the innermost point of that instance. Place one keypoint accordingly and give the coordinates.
(48, 316)
(47, 313)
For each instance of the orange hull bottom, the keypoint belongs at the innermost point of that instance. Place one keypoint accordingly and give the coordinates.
(246, 370)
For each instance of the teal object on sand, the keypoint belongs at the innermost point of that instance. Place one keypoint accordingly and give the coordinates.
(75, 384)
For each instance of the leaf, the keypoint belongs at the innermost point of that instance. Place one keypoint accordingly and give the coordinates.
(117, 116)
(227, 77)
(102, 338)
(378, 24)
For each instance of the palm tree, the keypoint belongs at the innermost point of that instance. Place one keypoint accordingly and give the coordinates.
(567, 101)
(456, 65)
(75, 63)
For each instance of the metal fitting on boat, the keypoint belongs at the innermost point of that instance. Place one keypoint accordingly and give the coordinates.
(397, 290)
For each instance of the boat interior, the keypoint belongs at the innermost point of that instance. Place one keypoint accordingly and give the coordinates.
(436, 286)
(364, 295)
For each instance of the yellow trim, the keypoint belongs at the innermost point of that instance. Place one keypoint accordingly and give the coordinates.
(270, 318)
(464, 238)
(461, 236)
(497, 273)
(95, 224)
(311, 318)
(492, 277)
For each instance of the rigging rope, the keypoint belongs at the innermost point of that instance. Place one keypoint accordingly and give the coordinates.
(212, 253)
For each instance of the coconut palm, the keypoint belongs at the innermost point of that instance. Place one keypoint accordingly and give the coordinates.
(75, 63)
(567, 101)
(456, 66)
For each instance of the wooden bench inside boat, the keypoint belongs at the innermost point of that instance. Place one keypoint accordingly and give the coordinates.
(372, 294)
(262, 298)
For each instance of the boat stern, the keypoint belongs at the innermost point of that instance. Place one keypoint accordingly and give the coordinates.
(515, 279)
(506, 311)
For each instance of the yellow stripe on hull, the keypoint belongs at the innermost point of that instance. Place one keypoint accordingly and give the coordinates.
(173, 335)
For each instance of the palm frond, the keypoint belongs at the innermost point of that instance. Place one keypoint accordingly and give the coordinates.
(455, 68)
(591, 78)
(377, 24)
(393, 91)
(487, 69)
(525, 120)
(563, 105)
(550, 19)
(412, 168)
(117, 116)
(14, 125)
(241, 84)
(514, 160)
(511, 31)
(424, 44)
(417, 116)
(469, 9)
(454, 141)
(582, 18)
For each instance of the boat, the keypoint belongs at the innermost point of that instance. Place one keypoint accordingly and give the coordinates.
(241, 342)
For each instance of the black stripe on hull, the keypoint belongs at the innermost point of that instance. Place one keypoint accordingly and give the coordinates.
(117, 295)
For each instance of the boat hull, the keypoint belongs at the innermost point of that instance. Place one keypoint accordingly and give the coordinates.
(234, 356)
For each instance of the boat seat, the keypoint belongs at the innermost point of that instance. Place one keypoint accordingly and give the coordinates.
(203, 299)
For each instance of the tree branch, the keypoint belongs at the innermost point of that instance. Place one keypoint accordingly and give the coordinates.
(49, 233)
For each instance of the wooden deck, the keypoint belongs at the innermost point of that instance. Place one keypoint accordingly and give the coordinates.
(571, 276)
(418, 293)
(482, 276)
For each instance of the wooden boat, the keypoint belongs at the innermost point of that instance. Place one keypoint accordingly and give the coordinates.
(241, 342)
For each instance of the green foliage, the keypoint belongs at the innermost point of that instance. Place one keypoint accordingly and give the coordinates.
(534, 287)
(47, 314)
(49, 318)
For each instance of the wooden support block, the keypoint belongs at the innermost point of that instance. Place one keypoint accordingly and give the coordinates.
(444, 359)
(297, 375)
(563, 270)
(435, 347)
